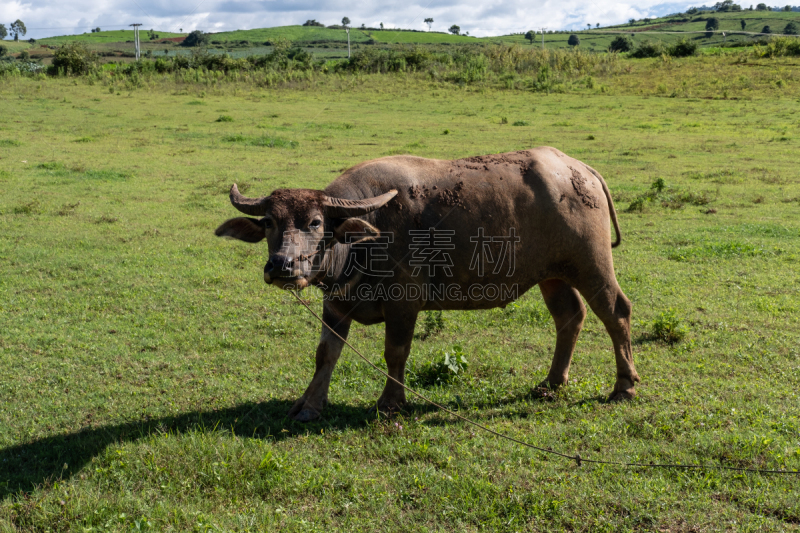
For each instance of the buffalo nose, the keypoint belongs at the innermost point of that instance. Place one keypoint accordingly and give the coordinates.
(278, 266)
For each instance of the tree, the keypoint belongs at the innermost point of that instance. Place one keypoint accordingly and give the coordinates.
(743, 23)
(3, 31)
(573, 40)
(787, 8)
(712, 24)
(621, 44)
(597, 25)
(429, 21)
(766, 29)
(455, 30)
(727, 5)
(196, 38)
(631, 21)
(381, 25)
(18, 27)
(531, 35)
(761, 7)
(97, 29)
(790, 29)
(588, 26)
(345, 22)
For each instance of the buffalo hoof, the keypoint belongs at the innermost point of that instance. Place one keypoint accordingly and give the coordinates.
(546, 390)
(306, 415)
(389, 409)
(622, 395)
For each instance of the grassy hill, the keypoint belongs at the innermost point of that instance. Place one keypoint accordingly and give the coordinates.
(114, 36)
(302, 34)
(333, 41)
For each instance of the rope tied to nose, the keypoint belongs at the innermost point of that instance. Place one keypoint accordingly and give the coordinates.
(577, 457)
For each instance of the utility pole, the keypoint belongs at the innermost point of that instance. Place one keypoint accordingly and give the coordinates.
(136, 39)
(543, 37)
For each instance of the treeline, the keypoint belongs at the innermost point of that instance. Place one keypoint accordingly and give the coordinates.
(511, 65)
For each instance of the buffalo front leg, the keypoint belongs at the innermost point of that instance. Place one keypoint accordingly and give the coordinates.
(399, 333)
(568, 311)
(310, 404)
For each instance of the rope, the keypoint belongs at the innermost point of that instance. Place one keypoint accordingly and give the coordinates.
(577, 458)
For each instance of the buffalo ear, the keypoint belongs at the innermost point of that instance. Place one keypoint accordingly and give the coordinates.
(353, 230)
(242, 228)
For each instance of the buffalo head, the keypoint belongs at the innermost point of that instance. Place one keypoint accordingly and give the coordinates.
(299, 226)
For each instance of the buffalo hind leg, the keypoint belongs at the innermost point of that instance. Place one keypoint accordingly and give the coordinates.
(613, 308)
(310, 404)
(568, 311)
(399, 334)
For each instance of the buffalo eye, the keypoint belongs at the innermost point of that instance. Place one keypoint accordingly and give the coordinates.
(267, 223)
(315, 223)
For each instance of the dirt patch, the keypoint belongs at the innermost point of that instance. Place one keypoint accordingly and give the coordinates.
(452, 197)
(581, 187)
(483, 162)
(418, 191)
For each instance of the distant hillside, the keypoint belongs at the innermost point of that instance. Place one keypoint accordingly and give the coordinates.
(674, 27)
(303, 34)
(114, 36)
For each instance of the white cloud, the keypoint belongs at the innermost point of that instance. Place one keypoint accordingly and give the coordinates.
(479, 17)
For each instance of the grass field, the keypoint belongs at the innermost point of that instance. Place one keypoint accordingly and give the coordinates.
(146, 370)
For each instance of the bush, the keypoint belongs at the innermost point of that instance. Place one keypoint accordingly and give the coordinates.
(196, 38)
(648, 49)
(683, 48)
(73, 58)
(790, 29)
(621, 44)
(3, 50)
(574, 40)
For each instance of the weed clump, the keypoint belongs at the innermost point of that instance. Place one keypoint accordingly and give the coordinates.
(673, 199)
(434, 323)
(31, 208)
(444, 369)
(667, 327)
(224, 118)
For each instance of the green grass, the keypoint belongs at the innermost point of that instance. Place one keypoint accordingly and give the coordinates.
(146, 369)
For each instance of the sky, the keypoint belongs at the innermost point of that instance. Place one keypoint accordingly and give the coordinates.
(45, 18)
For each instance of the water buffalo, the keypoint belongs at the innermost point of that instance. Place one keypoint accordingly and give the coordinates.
(398, 235)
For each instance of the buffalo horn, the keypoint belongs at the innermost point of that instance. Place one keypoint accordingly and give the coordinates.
(251, 206)
(343, 208)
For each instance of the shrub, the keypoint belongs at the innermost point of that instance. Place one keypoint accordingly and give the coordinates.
(667, 327)
(648, 49)
(683, 48)
(574, 40)
(224, 118)
(766, 29)
(196, 38)
(790, 29)
(620, 44)
(3, 50)
(73, 58)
